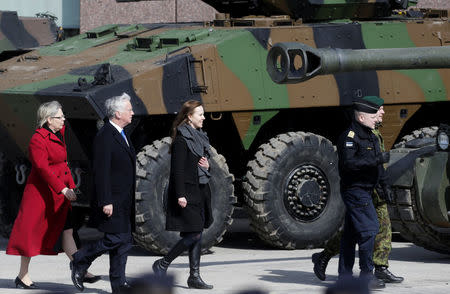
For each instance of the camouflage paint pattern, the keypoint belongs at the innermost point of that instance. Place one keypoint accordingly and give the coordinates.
(383, 239)
(231, 64)
(162, 65)
(333, 245)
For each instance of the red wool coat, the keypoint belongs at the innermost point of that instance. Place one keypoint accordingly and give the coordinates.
(43, 210)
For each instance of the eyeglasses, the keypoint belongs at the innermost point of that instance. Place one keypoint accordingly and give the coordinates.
(59, 117)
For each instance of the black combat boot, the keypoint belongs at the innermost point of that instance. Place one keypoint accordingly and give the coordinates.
(382, 273)
(194, 280)
(320, 261)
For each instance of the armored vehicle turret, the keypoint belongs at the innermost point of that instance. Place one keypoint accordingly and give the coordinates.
(275, 143)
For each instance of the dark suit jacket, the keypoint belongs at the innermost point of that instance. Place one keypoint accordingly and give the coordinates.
(183, 182)
(114, 168)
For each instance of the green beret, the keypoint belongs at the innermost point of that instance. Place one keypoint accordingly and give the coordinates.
(374, 99)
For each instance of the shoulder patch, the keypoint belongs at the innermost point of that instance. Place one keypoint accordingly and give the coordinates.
(351, 134)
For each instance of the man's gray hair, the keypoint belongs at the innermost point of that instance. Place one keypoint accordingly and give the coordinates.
(116, 103)
(47, 110)
(358, 114)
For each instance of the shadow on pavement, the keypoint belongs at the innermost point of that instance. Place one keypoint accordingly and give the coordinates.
(3, 243)
(48, 287)
(290, 277)
(242, 261)
(242, 240)
(415, 253)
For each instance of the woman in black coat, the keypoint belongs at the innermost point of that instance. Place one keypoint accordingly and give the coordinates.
(189, 201)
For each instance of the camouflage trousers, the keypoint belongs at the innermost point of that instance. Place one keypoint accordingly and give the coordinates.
(382, 240)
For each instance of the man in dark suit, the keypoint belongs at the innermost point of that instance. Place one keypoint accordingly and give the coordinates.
(114, 179)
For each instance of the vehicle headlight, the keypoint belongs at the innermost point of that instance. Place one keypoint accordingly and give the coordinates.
(442, 140)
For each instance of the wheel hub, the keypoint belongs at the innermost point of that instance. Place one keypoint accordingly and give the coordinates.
(306, 193)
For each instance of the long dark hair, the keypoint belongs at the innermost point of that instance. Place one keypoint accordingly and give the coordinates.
(182, 116)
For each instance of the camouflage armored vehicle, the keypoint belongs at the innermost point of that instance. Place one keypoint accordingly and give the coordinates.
(19, 35)
(417, 170)
(275, 141)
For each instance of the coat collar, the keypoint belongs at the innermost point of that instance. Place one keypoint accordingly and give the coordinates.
(46, 133)
(361, 130)
(118, 137)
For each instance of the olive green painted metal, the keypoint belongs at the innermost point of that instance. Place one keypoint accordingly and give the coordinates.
(429, 173)
(296, 62)
(422, 189)
(433, 185)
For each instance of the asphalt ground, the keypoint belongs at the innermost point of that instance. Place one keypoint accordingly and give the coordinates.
(241, 262)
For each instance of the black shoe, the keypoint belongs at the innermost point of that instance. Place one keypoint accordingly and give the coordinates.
(22, 285)
(123, 289)
(196, 282)
(382, 273)
(92, 279)
(320, 261)
(77, 276)
(160, 267)
(375, 283)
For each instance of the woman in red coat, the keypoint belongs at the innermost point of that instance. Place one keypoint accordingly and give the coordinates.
(44, 212)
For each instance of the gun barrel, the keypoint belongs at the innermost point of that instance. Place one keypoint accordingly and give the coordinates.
(296, 62)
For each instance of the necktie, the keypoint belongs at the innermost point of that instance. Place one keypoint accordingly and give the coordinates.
(124, 137)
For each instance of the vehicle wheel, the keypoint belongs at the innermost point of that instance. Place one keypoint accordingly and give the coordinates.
(428, 132)
(153, 168)
(10, 196)
(405, 215)
(292, 191)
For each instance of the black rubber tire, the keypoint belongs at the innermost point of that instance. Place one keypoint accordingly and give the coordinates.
(265, 184)
(153, 168)
(10, 196)
(405, 216)
(428, 132)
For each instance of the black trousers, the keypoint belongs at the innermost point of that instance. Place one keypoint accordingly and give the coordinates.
(360, 227)
(118, 245)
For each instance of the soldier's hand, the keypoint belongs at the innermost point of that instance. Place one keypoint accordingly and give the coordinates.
(108, 210)
(389, 195)
(385, 193)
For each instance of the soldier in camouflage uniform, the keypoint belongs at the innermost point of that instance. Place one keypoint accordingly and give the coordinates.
(383, 238)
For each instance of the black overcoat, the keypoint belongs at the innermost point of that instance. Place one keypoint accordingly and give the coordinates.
(183, 182)
(360, 158)
(114, 166)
